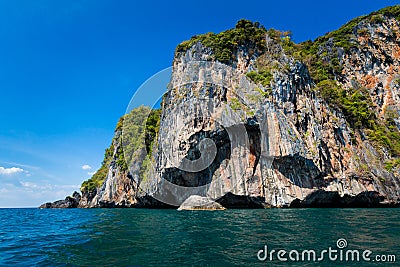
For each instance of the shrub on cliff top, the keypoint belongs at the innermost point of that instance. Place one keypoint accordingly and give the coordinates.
(225, 44)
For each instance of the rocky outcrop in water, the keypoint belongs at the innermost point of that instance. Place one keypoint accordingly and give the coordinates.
(253, 120)
(68, 202)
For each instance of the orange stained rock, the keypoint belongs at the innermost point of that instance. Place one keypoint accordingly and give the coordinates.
(396, 52)
(369, 81)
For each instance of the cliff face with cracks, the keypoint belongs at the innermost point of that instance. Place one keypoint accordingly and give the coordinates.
(252, 119)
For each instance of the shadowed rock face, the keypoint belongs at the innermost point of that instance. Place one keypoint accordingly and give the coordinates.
(194, 179)
(284, 148)
(327, 199)
(232, 201)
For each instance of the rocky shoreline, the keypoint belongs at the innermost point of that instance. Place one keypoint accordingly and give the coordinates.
(320, 199)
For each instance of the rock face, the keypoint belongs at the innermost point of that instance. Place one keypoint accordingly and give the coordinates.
(271, 126)
(68, 202)
(200, 203)
(120, 188)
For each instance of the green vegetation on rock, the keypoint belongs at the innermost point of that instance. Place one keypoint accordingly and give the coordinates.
(344, 36)
(97, 179)
(389, 11)
(392, 164)
(354, 104)
(262, 77)
(152, 127)
(139, 130)
(225, 44)
(235, 103)
(325, 69)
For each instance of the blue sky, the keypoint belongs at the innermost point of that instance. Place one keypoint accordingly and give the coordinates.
(68, 70)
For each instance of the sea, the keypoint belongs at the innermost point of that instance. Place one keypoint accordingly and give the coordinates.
(151, 237)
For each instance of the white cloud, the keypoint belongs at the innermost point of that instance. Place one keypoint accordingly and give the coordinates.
(91, 173)
(86, 167)
(9, 171)
(28, 184)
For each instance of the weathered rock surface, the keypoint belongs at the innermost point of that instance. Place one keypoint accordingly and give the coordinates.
(285, 148)
(200, 203)
(68, 202)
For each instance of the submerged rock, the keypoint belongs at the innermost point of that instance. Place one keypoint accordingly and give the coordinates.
(200, 203)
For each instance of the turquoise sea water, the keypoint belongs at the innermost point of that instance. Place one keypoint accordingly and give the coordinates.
(138, 237)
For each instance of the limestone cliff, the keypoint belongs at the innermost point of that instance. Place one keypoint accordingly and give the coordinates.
(252, 119)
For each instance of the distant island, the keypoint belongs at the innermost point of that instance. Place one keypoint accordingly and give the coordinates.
(252, 119)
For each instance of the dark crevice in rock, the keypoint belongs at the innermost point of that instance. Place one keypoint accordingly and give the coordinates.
(339, 135)
(300, 170)
(254, 135)
(325, 157)
(152, 203)
(194, 179)
(147, 201)
(232, 201)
